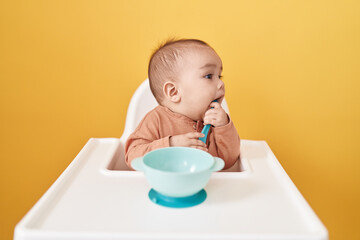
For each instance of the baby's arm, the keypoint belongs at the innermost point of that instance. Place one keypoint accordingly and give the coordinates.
(224, 140)
(138, 145)
(145, 138)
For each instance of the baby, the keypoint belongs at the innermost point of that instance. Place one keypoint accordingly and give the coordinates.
(185, 79)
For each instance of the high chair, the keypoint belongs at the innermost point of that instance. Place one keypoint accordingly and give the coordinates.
(99, 197)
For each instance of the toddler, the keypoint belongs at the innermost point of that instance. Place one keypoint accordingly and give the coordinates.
(185, 79)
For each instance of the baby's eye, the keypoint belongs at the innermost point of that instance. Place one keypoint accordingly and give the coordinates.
(221, 77)
(209, 76)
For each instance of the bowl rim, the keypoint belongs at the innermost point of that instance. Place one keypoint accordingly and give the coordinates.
(178, 173)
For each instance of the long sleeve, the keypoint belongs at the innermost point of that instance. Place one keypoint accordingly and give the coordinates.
(144, 139)
(224, 142)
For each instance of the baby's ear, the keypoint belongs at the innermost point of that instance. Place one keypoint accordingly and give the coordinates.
(171, 92)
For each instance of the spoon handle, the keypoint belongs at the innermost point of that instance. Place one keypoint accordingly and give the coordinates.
(205, 131)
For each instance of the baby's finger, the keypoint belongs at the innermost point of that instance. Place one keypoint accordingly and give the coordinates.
(197, 142)
(211, 115)
(211, 122)
(193, 135)
(211, 111)
(209, 119)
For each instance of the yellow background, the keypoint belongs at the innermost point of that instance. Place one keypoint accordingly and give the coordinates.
(69, 68)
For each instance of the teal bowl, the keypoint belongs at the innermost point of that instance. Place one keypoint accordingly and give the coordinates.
(177, 171)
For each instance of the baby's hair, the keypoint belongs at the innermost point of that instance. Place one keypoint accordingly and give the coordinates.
(163, 63)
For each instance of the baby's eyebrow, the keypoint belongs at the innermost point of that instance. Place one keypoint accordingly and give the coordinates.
(210, 65)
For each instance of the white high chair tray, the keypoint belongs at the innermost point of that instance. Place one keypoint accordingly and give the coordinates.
(90, 201)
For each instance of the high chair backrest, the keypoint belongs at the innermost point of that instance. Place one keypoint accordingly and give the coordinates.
(141, 103)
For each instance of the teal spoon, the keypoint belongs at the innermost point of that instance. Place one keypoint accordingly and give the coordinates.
(205, 130)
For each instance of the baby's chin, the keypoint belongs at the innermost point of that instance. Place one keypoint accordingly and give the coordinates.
(200, 116)
(194, 117)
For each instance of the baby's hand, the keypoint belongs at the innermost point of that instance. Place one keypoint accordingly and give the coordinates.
(216, 116)
(190, 139)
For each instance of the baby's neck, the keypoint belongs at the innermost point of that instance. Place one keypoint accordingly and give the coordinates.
(181, 110)
(176, 108)
(171, 106)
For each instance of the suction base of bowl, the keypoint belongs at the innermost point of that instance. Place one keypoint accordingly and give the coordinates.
(177, 202)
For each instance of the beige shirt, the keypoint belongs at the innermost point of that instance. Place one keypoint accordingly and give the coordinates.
(158, 125)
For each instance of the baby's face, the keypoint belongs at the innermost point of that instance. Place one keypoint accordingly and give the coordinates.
(200, 82)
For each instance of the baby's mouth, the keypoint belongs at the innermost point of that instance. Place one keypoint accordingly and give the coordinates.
(219, 99)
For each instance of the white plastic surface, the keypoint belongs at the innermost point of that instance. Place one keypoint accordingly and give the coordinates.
(89, 201)
(98, 197)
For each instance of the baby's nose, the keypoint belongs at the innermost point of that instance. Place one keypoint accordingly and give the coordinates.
(221, 85)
